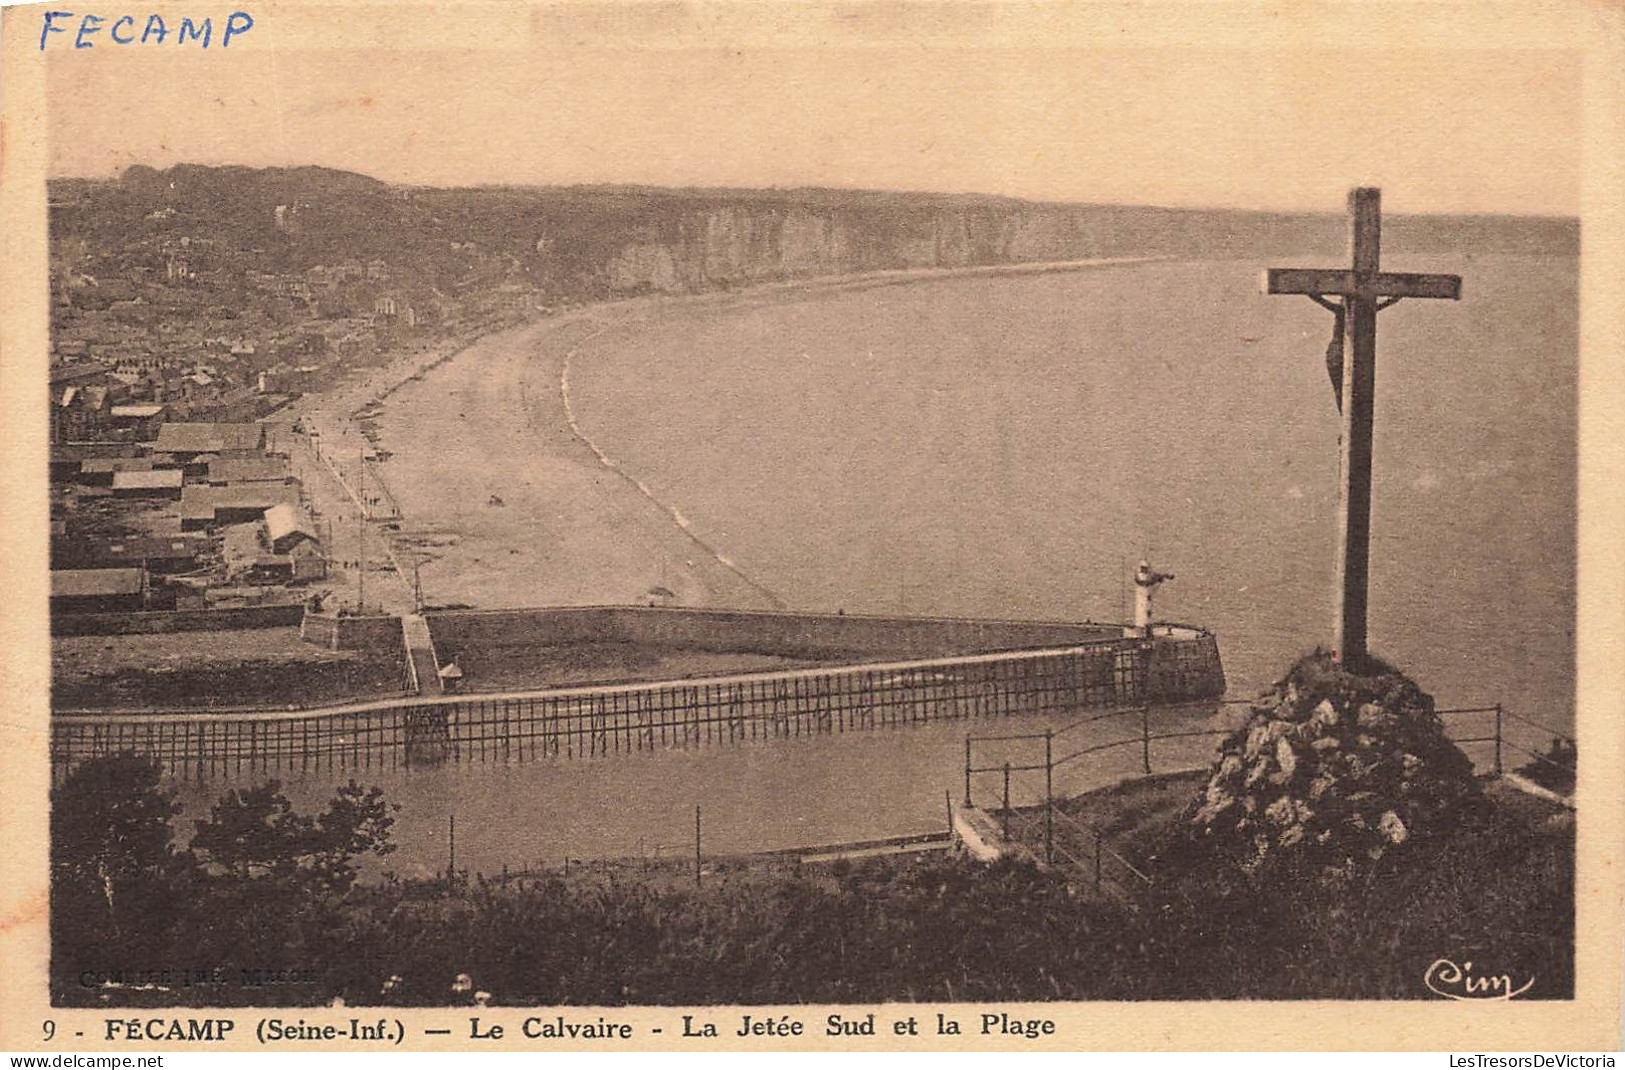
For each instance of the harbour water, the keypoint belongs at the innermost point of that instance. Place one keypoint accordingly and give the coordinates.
(753, 796)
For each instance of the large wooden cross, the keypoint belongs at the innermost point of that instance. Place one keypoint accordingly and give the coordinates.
(1364, 291)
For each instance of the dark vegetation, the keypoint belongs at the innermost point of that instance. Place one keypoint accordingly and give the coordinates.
(1498, 889)
(269, 891)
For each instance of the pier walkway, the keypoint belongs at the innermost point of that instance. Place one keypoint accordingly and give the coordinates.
(420, 656)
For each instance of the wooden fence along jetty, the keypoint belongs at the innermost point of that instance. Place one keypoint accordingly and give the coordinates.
(586, 722)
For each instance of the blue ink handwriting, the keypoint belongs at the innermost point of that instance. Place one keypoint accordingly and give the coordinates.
(122, 30)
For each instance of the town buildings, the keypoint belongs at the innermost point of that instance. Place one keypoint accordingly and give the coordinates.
(201, 515)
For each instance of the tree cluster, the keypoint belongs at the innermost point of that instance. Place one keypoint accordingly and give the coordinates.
(259, 886)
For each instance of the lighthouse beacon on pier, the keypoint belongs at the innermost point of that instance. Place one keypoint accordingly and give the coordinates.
(1146, 582)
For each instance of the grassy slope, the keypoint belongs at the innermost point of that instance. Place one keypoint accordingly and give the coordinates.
(1498, 892)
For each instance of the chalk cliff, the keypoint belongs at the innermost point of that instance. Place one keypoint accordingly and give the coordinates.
(582, 243)
(675, 241)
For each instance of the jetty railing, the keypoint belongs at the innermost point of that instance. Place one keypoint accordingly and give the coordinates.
(1037, 816)
(595, 721)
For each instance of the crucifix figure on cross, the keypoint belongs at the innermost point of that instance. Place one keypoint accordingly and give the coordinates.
(1356, 296)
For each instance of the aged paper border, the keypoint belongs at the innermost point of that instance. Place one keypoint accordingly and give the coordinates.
(1594, 29)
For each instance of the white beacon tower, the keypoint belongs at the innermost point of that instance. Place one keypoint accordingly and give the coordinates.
(1146, 582)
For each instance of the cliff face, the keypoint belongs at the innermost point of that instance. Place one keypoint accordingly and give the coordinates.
(738, 245)
(592, 242)
(709, 247)
(704, 248)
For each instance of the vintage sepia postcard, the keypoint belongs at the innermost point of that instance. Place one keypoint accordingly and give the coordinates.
(863, 525)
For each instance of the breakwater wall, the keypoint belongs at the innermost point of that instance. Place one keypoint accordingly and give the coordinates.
(1184, 663)
(351, 633)
(809, 636)
(587, 722)
(181, 620)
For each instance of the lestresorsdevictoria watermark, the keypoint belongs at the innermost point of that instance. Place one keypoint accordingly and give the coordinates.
(1556, 1061)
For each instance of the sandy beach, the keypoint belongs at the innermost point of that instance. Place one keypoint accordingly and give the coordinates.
(506, 506)
(504, 503)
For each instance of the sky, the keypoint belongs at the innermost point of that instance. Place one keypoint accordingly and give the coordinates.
(1012, 113)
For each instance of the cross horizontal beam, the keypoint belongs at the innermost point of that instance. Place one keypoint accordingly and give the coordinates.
(1330, 282)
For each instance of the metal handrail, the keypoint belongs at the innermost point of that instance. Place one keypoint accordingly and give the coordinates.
(1144, 738)
(1189, 735)
(1084, 826)
(1006, 768)
(1536, 724)
(1141, 738)
(1120, 711)
(992, 739)
(1107, 715)
(1098, 747)
(1030, 821)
